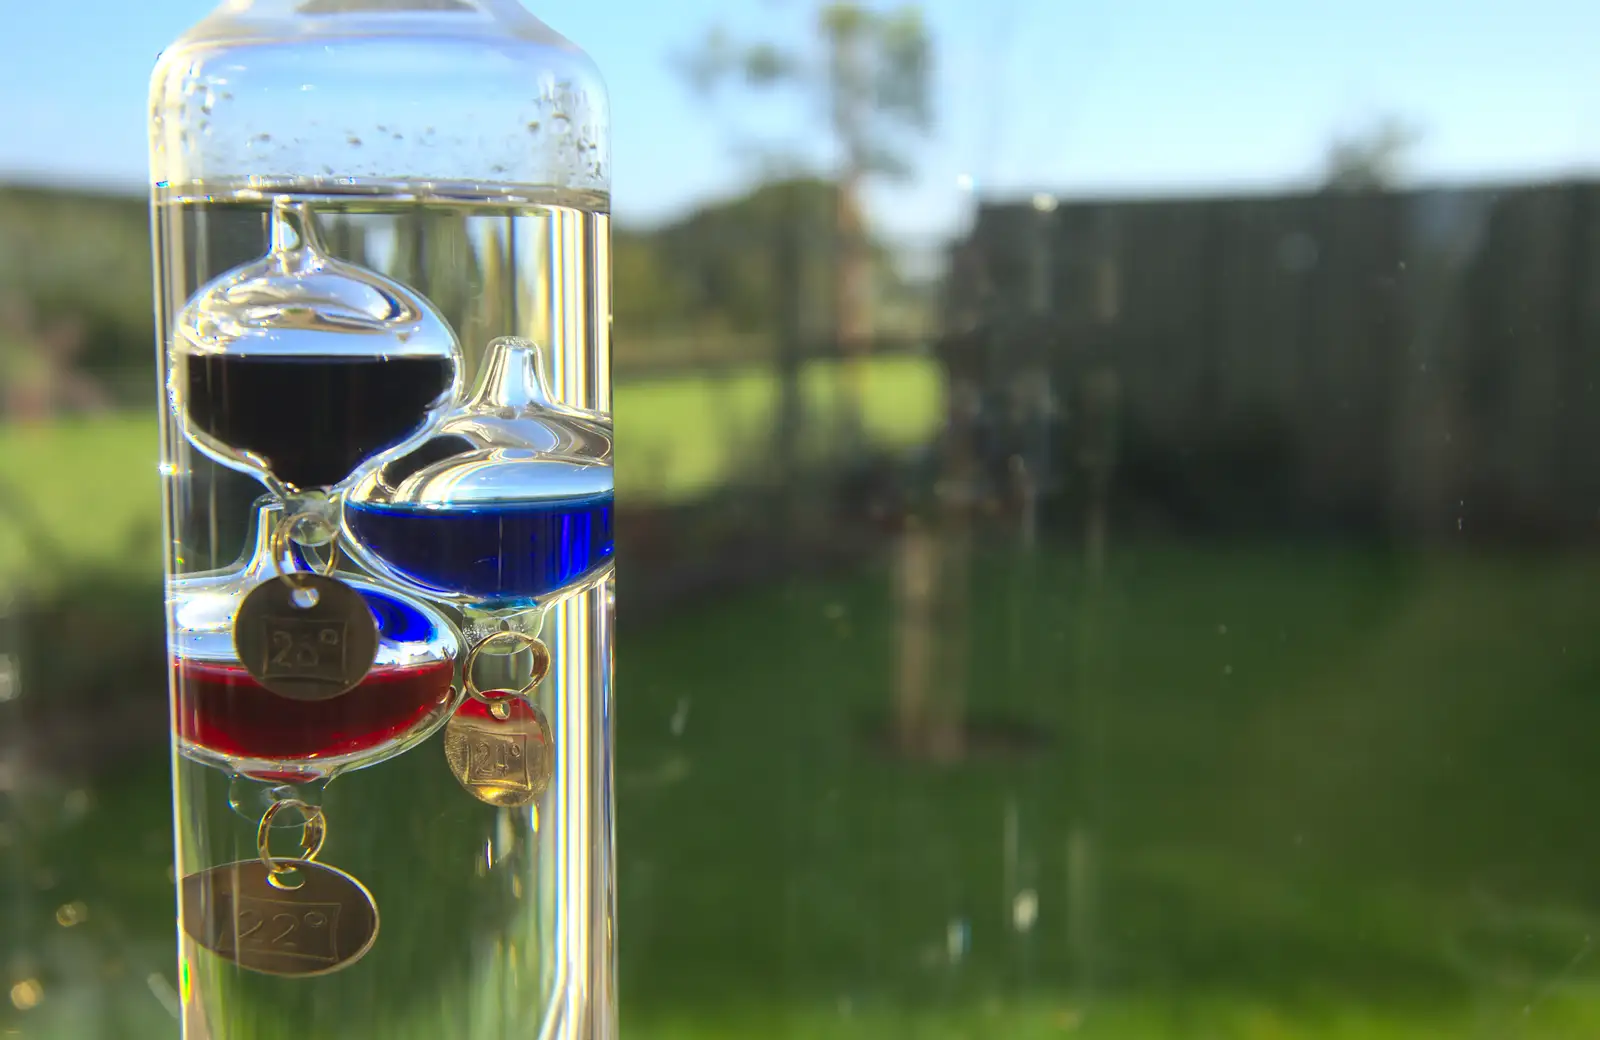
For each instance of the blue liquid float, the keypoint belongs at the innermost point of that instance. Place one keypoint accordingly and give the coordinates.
(507, 554)
(507, 507)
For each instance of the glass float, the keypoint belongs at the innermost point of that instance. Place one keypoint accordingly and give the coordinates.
(505, 510)
(226, 718)
(299, 367)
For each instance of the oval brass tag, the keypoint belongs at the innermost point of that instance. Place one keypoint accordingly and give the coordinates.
(503, 762)
(306, 651)
(329, 922)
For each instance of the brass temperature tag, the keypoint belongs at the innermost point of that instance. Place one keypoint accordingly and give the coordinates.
(307, 637)
(327, 922)
(497, 743)
(505, 762)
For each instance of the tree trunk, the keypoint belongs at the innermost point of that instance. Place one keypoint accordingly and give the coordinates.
(853, 288)
(789, 420)
(853, 296)
(916, 578)
(931, 641)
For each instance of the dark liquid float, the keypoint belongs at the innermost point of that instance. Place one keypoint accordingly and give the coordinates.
(299, 367)
(345, 409)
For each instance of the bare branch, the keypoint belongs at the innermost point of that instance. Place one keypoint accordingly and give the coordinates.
(766, 65)
(708, 64)
(904, 68)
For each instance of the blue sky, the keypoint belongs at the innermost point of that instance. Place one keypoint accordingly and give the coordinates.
(1068, 96)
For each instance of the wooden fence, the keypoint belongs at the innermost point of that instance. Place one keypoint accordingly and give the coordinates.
(1419, 363)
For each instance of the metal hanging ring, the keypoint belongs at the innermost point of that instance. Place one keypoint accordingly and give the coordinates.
(520, 641)
(280, 547)
(313, 835)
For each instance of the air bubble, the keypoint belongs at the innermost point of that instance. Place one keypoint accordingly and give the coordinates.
(251, 798)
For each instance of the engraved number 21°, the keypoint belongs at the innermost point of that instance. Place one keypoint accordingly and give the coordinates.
(497, 756)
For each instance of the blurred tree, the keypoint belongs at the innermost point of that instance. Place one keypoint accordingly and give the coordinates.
(870, 71)
(75, 276)
(711, 270)
(1370, 159)
(75, 273)
(737, 277)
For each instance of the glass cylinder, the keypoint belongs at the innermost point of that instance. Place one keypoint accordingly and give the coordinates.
(356, 206)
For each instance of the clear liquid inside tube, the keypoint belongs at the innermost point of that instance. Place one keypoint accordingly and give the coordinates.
(475, 899)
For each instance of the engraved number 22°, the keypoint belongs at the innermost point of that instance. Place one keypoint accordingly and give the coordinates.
(277, 931)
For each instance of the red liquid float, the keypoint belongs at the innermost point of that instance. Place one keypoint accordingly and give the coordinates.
(222, 710)
(518, 710)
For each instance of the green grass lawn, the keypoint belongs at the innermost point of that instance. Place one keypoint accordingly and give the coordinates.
(1282, 794)
(89, 491)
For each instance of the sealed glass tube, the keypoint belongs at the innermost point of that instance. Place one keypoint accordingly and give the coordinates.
(383, 300)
